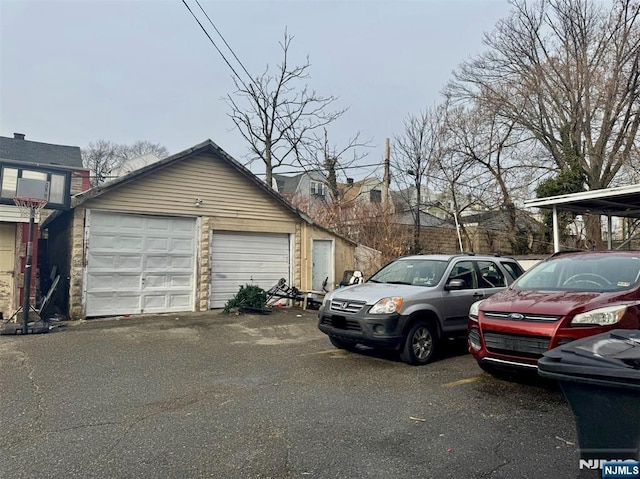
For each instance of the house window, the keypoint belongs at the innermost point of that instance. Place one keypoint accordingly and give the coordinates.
(57, 188)
(375, 196)
(318, 188)
(9, 182)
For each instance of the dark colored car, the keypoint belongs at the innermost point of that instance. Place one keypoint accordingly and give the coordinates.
(566, 297)
(414, 302)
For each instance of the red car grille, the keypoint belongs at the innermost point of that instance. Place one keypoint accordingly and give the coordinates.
(514, 345)
(521, 317)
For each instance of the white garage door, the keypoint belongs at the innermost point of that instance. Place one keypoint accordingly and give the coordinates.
(139, 264)
(239, 258)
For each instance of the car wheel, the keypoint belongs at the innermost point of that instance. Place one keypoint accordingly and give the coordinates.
(420, 344)
(342, 343)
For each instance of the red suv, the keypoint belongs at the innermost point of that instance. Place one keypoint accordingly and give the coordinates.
(568, 296)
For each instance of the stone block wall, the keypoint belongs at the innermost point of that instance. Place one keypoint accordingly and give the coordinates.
(204, 268)
(76, 310)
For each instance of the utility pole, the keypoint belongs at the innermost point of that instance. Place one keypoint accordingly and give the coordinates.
(387, 175)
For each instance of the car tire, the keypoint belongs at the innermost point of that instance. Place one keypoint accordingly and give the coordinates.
(342, 343)
(420, 344)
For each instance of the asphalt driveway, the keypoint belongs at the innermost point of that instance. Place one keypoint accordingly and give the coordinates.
(211, 395)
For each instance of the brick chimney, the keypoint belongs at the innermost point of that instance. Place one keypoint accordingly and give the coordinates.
(18, 136)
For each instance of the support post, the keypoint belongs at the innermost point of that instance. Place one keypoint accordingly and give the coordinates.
(455, 217)
(556, 230)
(26, 301)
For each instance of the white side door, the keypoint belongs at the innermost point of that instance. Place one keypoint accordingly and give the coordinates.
(322, 269)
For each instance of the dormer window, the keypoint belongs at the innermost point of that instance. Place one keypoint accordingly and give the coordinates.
(318, 188)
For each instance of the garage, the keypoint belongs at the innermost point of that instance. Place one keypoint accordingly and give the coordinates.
(139, 263)
(240, 258)
(182, 234)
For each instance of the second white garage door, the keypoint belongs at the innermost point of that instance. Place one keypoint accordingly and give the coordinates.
(139, 264)
(240, 258)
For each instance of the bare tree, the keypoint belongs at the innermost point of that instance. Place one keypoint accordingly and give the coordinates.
(102, 156)
(277, 114)
(458, 180)
(569, 72)
(501, 152)
(415, 151)
(142, 147)
(331, 160)
(369, 224)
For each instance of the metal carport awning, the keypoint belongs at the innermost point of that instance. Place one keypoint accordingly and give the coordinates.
(623, 201)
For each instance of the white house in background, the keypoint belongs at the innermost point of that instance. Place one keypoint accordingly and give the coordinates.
(132, 164)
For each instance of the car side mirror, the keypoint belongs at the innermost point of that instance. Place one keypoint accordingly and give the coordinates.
(455, 285)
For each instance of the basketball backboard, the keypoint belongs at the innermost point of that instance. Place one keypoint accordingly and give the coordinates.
(58, 181)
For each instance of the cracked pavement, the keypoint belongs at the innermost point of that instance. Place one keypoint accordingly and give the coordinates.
(263, 396)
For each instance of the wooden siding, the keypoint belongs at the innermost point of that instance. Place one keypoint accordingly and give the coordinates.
(78, 182)
(173, 190)
(12, 214)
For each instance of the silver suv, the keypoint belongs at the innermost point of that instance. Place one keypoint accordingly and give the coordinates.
(414, 302)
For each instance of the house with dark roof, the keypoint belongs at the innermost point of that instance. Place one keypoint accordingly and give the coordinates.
(184, 234)
(20, 149)
(60, 167)
(306, 190)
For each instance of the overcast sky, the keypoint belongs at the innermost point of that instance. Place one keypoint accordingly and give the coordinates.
(76, 71)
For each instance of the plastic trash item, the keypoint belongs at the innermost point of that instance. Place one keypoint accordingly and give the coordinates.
(600, 378)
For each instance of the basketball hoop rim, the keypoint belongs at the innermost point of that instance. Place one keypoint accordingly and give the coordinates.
(30, 202)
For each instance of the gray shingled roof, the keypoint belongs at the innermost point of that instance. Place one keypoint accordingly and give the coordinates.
(18, 149)
(287, 185)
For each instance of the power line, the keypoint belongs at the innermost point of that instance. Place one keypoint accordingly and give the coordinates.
(214, 43)
(225, 41)
(341, 168)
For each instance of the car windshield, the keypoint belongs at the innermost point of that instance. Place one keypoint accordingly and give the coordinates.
(607, 272)
(513, 268)
(419, 272)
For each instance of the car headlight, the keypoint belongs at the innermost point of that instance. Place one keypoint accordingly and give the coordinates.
(387, 305)
(325, 302)
(601, 317)
(473, 310)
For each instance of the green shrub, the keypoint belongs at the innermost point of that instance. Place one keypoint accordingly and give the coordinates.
(249, 296)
